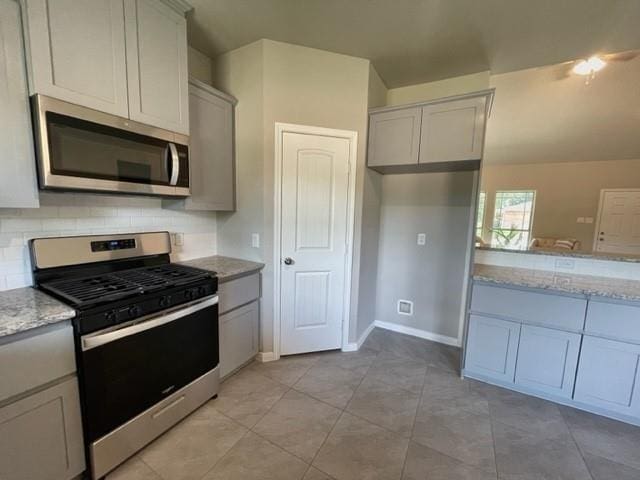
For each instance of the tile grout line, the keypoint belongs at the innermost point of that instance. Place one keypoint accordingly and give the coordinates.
(413, 425)
(584, 460)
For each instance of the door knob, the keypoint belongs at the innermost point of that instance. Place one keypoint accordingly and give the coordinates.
(288, 261)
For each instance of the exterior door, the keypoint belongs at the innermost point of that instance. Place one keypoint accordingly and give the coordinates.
(315, 179)
(618, 229)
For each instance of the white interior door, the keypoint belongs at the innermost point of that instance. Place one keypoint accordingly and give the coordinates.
(314, 222)
(619, 222)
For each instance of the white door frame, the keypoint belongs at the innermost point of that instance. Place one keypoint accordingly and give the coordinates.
(600, 206)
(352, 136)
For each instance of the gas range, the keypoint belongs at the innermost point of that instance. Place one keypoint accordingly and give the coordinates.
(146, 333)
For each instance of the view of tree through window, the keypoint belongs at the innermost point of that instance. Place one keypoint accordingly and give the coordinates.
(482, 200)
(512, 219)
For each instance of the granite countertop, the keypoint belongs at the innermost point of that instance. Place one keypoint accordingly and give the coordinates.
(27, 308)
(226, 268)
(569, 283)
(612, 257)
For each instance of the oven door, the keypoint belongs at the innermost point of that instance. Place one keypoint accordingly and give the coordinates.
(127, 369)
(83, 149)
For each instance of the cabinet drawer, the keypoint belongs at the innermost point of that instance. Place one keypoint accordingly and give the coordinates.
(608, 375)
(239, 292)
(492, 347)
(614, 320)
(547, 360)
(36, 360)
(238, 337)
(41, 435)
(531, 307)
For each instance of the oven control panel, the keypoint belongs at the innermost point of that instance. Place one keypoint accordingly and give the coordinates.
(110, 245)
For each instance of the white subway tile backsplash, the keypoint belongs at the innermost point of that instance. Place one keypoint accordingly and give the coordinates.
(63, 214)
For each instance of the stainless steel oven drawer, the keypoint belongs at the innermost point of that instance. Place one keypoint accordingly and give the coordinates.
(115, 447)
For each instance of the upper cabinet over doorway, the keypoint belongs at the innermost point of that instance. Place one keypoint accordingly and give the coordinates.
(441, 135)
(123, 58)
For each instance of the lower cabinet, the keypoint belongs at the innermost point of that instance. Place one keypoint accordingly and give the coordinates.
(492, 347)
(609, 376)
(41, 435)
(238, 337)
(547, 360)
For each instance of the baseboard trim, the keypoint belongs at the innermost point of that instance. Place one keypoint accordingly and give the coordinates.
(415, 332)
(355, 346)
(265, 357)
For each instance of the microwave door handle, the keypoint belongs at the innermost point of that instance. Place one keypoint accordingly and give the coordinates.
(175, 163)
(102, 338)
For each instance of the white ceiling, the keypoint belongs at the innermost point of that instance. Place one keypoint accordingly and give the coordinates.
(545, 115)
(414, 41)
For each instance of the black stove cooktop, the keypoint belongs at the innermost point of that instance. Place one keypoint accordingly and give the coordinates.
(86, 292)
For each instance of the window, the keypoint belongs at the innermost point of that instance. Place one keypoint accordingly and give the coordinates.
(512, 219)
(482, 200)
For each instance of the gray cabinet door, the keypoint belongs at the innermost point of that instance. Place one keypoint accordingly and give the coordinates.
(453, 131)
(18, 182)
(608, 376)
(41, 435)
(238, 337)
(492, 347)
(157, 65)
(211, 151)
(394, 137)
(77, 52)
(547, 360)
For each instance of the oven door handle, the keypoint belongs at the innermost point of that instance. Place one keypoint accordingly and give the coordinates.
(98, 339)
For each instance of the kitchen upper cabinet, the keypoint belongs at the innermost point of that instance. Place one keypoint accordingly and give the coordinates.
(126, 58)
(77, 52)
(492, 347)
(41, 435)
(394, 137)
(18, 182)
(453, 131)
(157, 65)
(547, 360)
(211, 150)
(441, 135)
(608, 376)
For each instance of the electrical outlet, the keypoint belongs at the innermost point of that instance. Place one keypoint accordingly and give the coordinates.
(255, 240)
(588, 219)
(178, 239)
(422, 239)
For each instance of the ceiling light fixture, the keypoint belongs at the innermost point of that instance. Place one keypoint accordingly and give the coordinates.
(589, 67)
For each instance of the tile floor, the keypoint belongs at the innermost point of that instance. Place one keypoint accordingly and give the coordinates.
(394, 410)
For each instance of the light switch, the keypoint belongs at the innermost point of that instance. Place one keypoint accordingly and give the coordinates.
(255, 240)
(588, 219)
(580, 220)
(422, 239)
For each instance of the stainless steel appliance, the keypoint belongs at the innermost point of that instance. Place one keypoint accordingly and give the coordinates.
(82, 149)
(146, 334)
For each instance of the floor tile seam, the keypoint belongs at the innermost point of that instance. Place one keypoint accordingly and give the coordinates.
(322, 445)
(280, 447)
(224, 456)
(396, 386)
(158, 474)
(554, 441)
(413, 425)
(578, 446)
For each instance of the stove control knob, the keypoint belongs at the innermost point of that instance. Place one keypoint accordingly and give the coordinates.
(189, 294)
(202, 291)
(134, 311)
(165, 301)
(111, 316)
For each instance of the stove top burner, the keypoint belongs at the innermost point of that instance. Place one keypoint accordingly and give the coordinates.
(88, 291)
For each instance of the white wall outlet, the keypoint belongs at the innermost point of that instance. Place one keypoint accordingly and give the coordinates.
(588, 219)
(255, 240)
(565, 264)
(580, 220)
(178, 239)
(422, 239)
(405, 307)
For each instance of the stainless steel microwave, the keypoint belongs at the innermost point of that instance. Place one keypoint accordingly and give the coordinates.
(82, 149)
